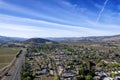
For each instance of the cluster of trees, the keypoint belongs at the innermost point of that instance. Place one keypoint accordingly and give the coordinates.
(26, 74)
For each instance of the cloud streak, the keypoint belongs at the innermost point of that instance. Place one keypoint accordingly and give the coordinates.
(16, 30)
(27, 11)
(101, 11)
(55, 19)
(59, 15)
(40, 28)
(41, 23)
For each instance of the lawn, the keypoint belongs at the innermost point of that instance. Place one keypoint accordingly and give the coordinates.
(7, 55)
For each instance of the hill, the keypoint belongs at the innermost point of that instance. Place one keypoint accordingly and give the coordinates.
(115, 38)
(39, 40)
(6, 39)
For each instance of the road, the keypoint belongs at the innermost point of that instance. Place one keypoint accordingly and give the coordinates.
(15, 73)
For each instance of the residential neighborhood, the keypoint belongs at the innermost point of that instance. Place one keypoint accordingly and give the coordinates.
(68, 63)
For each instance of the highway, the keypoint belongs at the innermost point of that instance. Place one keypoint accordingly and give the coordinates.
(14, 74)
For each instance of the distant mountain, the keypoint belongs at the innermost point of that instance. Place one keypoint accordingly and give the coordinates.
(39, 40)
(115, 38)
(6, 39)
(76, 39)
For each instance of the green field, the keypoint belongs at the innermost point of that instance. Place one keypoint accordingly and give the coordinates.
(12, 51)
(6, 55)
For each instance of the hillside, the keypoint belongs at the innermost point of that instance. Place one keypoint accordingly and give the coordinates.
(38, 40)
(115, 38)
(6, 39)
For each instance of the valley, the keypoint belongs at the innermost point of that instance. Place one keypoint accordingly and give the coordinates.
(61, 60)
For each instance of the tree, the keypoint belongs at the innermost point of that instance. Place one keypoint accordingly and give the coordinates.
(55, 77)
(113, 75)
(28, 78)
(89, 77)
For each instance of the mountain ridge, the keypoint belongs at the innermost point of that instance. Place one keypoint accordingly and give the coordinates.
(90, 38)
(6, 39)
(39, 40)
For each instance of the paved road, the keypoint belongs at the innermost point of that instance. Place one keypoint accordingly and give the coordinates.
(15, 73)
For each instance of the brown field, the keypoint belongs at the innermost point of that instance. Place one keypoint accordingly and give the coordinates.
(6, 58)
(3, 64)
(7, 55)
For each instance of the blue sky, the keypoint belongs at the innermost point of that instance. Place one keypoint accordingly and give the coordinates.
(59, 18)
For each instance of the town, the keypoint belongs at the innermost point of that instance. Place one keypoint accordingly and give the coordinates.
(59, 39)
(63, 62)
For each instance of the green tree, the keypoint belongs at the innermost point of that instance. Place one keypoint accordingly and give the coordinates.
(55, 77)
(89, 77)
(113, 75)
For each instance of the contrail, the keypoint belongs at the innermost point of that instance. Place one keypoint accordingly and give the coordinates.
(101, 11)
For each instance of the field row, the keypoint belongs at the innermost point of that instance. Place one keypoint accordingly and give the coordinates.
(7, 55)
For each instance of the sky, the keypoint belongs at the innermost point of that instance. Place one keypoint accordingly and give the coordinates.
(59, 18)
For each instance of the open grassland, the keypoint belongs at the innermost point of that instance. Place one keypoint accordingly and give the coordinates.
(9, 51)
(7, 55)
(3, 65)
(6, 58)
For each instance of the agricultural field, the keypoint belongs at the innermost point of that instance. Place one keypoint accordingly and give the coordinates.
(6, 55)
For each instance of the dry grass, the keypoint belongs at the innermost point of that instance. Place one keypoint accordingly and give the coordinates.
(7, 55)
(6, 58)
(4, 51)
(3, 64)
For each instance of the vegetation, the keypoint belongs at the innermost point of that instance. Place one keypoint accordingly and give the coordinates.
(89, 77)
(56, 77)
(6, 50)
(25, 73)
(79, 57)
(37, 40)
(7, 55)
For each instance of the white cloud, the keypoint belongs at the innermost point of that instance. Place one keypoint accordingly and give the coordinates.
(66, 15)
(32, 31)
(27, 11)
(43, 28)
(40, 23)
(108, 27)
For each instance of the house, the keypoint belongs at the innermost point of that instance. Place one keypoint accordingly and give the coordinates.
(108, 78)
(51, 71)
(68, 74)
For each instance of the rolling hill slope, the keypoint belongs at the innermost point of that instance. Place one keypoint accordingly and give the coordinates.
(38, 40)
(6, 39)
(115, 38)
